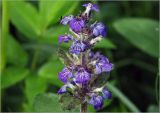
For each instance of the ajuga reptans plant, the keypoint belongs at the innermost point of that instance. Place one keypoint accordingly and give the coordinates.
(85, 71)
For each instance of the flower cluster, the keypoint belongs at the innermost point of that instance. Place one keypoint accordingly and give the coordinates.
(86, 66)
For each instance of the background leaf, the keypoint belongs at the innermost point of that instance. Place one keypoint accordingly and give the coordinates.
(25, 17)
(143, 33)
(61, 8)
(105, 43)
(51, 35)
(50, 71)
(12, 75)
(47, 103)
(15, 53)
(34, 85)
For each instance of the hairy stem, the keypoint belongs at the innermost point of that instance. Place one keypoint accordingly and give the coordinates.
(84, 107)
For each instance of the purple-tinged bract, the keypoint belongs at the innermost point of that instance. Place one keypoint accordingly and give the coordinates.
(62, 89)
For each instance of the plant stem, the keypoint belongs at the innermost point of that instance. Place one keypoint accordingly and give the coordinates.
(4, 30)
(34, 61)
(124, 99)
(84, 107)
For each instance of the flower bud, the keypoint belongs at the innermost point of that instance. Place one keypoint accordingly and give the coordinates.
(66, 19)
(97, 102)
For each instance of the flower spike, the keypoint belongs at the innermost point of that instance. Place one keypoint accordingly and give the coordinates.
(85, 69)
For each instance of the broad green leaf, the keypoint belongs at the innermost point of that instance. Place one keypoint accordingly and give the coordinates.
(51, 11)
(143, 33)
(34, 85)
(47, 103)
(25, 17)
(50, 71)
(3, 37)
(15, 53)
(51, 35)
(105, 43)
(12, 75)
(117, 93)
(69, 103)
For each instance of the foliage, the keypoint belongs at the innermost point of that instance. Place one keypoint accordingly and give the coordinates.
(47, 103)
(144, 31)
(30, 63)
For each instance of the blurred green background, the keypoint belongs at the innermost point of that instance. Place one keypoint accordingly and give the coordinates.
(29, 62)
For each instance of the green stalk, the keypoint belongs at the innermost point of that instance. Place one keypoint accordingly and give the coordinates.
(35, 59)
(3, 38)
(83, 108)
(123, 98)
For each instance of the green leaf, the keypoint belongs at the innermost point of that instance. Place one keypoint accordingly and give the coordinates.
(34, 85)
(15, 53)
(12, 75)
(105, 43)
(50, 71)
(61, 8)
(117, 93)
(143, 33)
(4, 28)
(51, 35)
(69, 103)
(25, 17)
(47, 103)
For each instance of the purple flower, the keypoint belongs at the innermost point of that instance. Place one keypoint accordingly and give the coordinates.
(65, 74)
(91, 6)
(103, 65)
(62, 89)
(96, 101)
(77, 47)
(106, 94)
(77, 24)
(83, 66)
(82, 76)
(65, 38)
(99, 29)
(66, 19)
